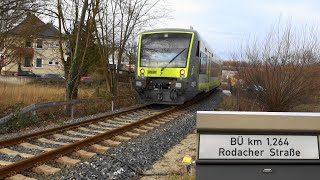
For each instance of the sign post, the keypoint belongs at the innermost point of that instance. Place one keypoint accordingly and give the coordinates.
(258, 145)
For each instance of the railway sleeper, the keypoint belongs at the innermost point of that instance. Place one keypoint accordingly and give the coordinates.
(146, 127)
(106, 124)
(129, 120)
(67, 161)
(19, 177)
(160, 122)
(135, 115)
(118, 123)
(153, 124)
(84, 154)
(90, 130)
(98, 148)
(32, 146)
(5, 163)
(46, 170)
(173, 116)
(167, 119)
(131, 134)
(139, 131)
(79, 133)
(8, 151)
(95, 126)
(111, 143)
(61, 136)
(121, 138)
(45, 140)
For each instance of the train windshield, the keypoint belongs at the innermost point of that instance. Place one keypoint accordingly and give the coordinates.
(164, 50)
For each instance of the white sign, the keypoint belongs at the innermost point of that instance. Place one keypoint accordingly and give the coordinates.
(258, 147)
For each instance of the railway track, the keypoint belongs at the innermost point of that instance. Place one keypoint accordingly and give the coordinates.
(82, 140)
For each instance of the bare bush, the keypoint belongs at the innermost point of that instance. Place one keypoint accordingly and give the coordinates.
(281, 71)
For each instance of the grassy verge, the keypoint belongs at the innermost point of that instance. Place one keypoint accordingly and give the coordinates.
(233, 103)
(243, 103)
(15, 97)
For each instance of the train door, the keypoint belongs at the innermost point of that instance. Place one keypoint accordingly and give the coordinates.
(203, 68)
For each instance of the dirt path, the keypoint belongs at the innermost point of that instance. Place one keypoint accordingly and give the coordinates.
(171, 162)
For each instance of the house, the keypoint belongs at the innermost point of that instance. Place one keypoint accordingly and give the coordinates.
(32, 46)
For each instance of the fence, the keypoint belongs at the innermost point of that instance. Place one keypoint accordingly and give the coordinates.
(103, 104)
(16, 79)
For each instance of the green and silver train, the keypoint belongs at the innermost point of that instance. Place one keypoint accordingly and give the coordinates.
(174, 65)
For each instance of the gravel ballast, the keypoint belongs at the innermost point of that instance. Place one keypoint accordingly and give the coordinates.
(130, 159)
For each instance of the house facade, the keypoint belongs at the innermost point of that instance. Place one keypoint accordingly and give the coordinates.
(33, 46)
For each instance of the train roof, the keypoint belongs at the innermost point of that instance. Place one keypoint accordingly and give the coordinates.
(170, 29)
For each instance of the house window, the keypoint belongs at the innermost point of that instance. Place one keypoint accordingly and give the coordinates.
(39, 62)
(27, 62)
(39, 43)
(53, 44)
(53, 63)
(28, 43)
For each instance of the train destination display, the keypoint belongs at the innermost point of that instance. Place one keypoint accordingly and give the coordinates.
(258, 147)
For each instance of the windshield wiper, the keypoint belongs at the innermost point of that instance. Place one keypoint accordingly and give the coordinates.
(172, 59)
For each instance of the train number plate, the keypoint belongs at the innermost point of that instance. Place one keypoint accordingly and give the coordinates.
(258, 147)
(152, 72)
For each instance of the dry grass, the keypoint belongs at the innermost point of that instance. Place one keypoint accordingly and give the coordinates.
(32, 93)
(229, 103)
(14, 97)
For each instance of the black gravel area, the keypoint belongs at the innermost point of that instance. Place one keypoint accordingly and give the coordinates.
(130, 159)
(73, 135)
(131, 116)
(63, 140)
(98, 129)
(116, 123)
(87, 132)
(26, 150)
(10, 158)
(109, 126)
(46, 145)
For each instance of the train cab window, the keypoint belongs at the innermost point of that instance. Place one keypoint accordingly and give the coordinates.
(169, 50)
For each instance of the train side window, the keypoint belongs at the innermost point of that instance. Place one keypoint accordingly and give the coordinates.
(203, 63)
(198, 49)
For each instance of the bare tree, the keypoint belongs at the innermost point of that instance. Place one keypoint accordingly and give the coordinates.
(119, 20)
(13, 12)
(280, 70)
(76, 25)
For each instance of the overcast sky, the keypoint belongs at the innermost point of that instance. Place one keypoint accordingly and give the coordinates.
(225, 24)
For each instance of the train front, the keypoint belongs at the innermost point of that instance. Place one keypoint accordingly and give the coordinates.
(162, 67)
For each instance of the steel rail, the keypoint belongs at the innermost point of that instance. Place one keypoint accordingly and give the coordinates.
(16, 140)
(30, 162)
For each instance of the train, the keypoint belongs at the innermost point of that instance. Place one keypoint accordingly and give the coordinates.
(174, 65)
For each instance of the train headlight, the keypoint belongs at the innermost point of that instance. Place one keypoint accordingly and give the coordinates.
(178, 85)
(142, 72)
(138, 83)
(182, 73)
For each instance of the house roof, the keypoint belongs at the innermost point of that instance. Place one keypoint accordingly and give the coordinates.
(32, 25)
